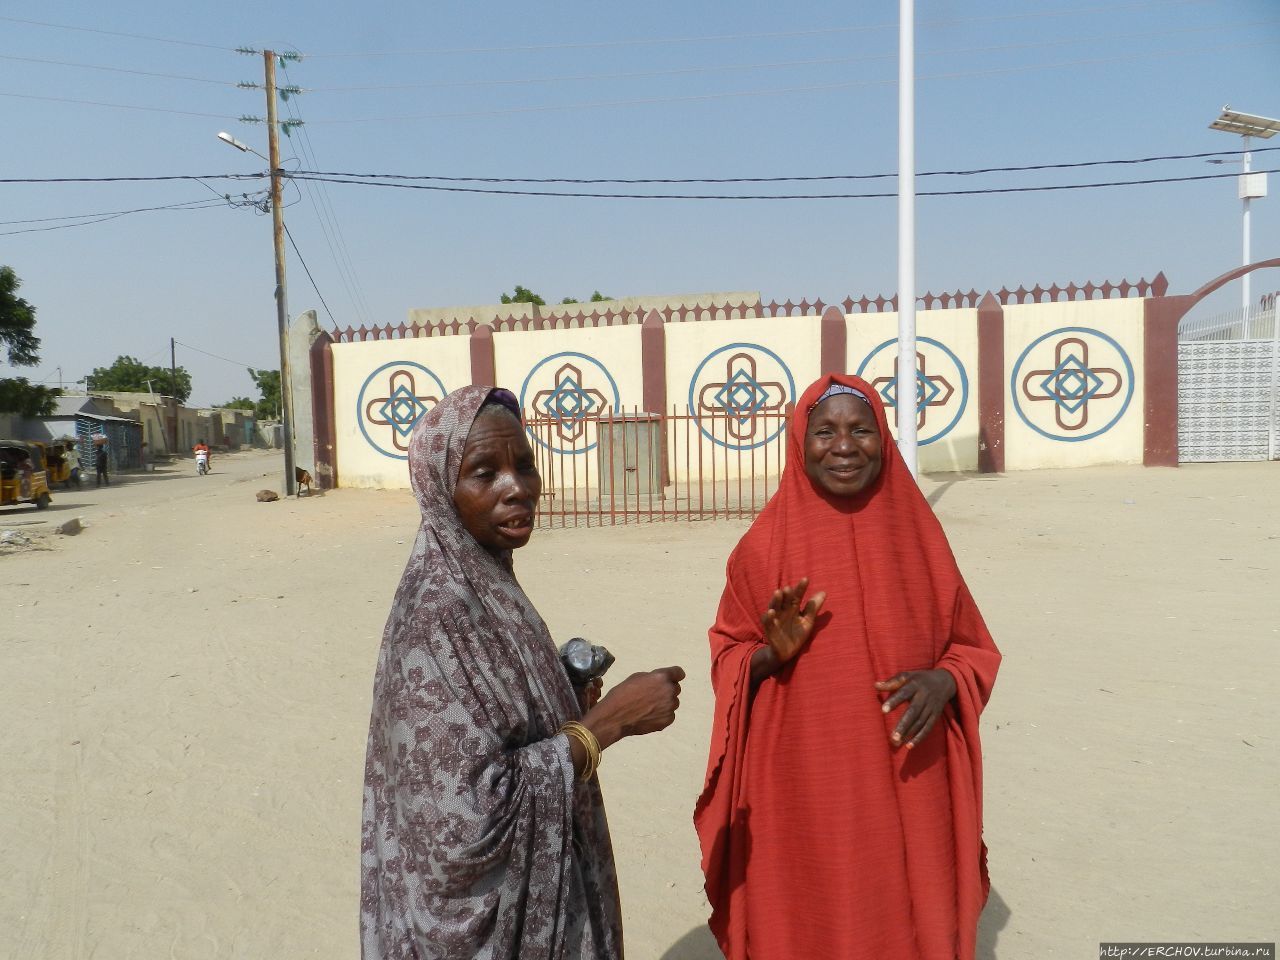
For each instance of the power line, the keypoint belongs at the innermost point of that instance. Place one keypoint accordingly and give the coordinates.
(118, 106)
(815, 31)
(303, 261)
(186, 176)
(103, 67)
(790, 179)
(779, 91)
(724, 95)
(754, 65)
(806, 196)
(329, 225)
(214, 355)
(785, 34)
(190, 205)
(113, 213)
(974, 171)
(117, 33)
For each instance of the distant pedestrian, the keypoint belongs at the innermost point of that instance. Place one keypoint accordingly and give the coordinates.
(100, 461)
(72, 457)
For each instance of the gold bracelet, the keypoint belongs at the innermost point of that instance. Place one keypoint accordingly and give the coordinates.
(590, 744)
(588, 768)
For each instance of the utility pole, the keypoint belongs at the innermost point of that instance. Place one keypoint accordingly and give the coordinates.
(173, 392)
(282, 305)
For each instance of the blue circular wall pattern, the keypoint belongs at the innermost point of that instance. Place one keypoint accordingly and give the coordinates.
(746, 387)
(1072, 384)
(942, 385)
(391, 401)
(568, 391)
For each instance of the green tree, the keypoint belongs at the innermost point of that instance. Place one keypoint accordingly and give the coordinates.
(523, 295)
(596, 297)
(129, 375)
(237, 403)
(22, 348)
(268, 384)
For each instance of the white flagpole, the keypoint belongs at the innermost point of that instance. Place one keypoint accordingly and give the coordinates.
(906, 386)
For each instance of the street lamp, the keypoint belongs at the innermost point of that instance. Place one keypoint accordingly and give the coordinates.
(242, 147)
(1253, 186)
(282, 300)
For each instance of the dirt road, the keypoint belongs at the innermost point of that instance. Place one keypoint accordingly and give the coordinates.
(187, 695)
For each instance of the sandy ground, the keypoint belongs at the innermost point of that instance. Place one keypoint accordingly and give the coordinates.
(186, 696)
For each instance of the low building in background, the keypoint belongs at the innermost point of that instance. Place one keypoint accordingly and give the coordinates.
(130, 420)
(84, 417)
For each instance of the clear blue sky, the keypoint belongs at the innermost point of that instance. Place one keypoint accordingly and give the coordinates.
(1000, 83)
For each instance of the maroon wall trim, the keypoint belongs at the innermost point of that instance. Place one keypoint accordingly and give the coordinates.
(653, 370)
(324, 456)
(1230, 275)
(835, 342)
(653, 362)
(483, 373)
(991, 374)
(1160, 317)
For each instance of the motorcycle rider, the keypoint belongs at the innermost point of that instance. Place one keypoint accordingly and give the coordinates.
(201, 450)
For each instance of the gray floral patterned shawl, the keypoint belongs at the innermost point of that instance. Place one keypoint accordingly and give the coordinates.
(477, 840)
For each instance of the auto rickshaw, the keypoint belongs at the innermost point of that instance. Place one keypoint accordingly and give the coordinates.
(22, 474)
(56, 464)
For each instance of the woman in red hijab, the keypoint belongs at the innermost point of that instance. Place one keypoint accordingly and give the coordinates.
(842, 812)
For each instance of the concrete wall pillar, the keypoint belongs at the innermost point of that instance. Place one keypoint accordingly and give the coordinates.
(325, 471)
(1160, 316)
(653, 362)
(991, 376)
(835, 340)
(483, 368)
(303, 332)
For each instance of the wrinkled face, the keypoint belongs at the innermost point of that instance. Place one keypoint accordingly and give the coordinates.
(842, 452)
(498, 483)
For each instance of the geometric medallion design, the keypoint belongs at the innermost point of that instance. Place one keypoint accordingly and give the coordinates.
(568, 392)
(942, 386)
(1072, 384)
(741, 392)
(394, 397)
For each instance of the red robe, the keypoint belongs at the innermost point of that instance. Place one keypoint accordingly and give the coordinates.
(819, 839)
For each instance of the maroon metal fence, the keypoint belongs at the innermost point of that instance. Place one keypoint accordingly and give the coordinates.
(630, 466)
(608, 313)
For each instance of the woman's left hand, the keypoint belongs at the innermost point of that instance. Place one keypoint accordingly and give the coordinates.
(929, 691)
(589, 695)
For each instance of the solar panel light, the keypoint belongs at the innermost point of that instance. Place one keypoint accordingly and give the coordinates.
(1246, 124)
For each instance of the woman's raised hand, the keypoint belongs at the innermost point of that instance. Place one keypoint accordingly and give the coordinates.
(642, 703)
(787, 625)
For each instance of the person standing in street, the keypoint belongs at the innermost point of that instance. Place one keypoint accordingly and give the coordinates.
(71, 454)
(100, 461)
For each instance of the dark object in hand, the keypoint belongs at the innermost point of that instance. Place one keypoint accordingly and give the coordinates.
(584, 661)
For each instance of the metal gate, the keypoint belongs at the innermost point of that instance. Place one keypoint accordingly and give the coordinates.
(1228, 385)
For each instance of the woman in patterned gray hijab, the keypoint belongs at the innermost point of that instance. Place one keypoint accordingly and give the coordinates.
(479, 840)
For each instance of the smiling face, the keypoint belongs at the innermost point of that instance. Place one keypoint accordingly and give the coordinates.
(498, 482)
(842, 446)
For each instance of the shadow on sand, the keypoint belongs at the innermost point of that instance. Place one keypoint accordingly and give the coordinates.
(994, 919)
(699, 944)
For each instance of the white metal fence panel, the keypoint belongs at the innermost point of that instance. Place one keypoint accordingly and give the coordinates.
(1226, 401)
(1228, 367)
